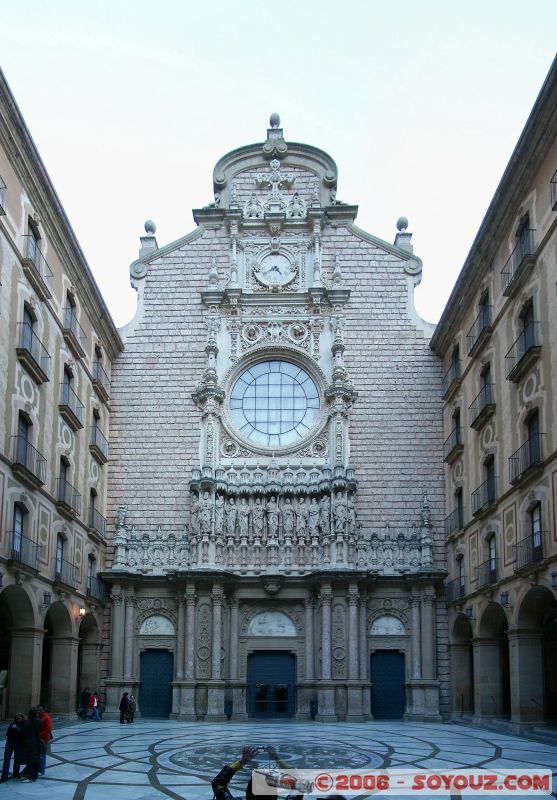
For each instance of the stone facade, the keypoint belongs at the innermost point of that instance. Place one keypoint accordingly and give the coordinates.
(225, 525)
(57, 342)
(498, 338)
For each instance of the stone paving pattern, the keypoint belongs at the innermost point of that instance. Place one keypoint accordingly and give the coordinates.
(162, 759)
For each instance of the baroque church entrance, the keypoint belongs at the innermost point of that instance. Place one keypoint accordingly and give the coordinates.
(271, 684)
(387, 678)
(156, 672)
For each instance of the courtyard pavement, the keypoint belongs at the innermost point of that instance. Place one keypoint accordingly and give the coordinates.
(154, 760)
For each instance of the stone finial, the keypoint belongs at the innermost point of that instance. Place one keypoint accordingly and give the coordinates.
(403, 239)
(274, 120)
(150, 227)
(213, 274)
(402, 223)
(148, 242)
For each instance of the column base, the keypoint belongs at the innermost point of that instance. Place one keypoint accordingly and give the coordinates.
(215, 702)
(326, 702)
(115, 687)
(422, 701)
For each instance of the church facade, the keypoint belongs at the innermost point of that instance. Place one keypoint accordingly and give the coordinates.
(276, 462)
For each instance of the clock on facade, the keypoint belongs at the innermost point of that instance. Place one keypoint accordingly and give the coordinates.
(274, 403)
(275, 270)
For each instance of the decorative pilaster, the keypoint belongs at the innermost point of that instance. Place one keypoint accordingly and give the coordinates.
(180, 638)
(423, 688)
(326, 692)
(215, 699)
(353, 637)
(117, 633)
(129, 638)
(233, 645)
(309, 639)
(428, 636)
(416, 639)
(187, 693)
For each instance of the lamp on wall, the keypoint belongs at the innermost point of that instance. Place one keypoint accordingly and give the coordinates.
(82, 611)
(553, 580)
(505, 600)
(469, 611)
(47, 598)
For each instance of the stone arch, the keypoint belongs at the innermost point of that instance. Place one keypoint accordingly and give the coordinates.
(19, 632)
(60, 659)
(88, 667)
(492, 664)
(462, 666)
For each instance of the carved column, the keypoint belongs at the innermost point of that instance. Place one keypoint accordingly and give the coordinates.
(326, 692)
(309, 641)
(129, 637)
(428, 636)
(215, 700)
(423, 688)
(180, 638)
(364, 656)
(416, 639)
(353, 636)
(187, 694)
(233, 651)
(117, 633)
(63, 674)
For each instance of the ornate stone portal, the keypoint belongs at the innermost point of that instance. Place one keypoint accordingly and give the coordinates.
(283, 548)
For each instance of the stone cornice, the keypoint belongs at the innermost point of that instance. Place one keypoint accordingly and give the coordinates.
(531, 149)
(414, 263)
(27, 163)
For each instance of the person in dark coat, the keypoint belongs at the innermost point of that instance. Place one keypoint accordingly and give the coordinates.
(131, 709)
(29, 746)
(13, 735)
(85, 695)
(123, 707)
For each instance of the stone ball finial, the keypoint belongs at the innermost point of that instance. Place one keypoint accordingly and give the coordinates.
(402, 223)
(150, 227)
(274, 120)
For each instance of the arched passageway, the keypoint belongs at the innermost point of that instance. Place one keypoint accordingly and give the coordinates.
(462, 667)
(20, 649)
(492, 678)
(88, 670)
(59, 662)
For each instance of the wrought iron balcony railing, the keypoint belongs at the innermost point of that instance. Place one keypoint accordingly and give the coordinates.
(451, 378)
(73, 331)
(67, 495)
(96, 521)
(484, 496)
(482, 406)
(487, 573)
(454, 521)
(530, 550)
(101, 381)
(2, 197)
(521, 255)
(479, 330)
(452, 444)
(71, 407)
(98, 445)
(526, 458)
(36, 267)
(24, 550)
(553, 190)
(65, 573)
(524, 349)
(455, 589)
(32, 353)
(96, 589)
(28, 458)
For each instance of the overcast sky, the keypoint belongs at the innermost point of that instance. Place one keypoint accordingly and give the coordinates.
(419, 103)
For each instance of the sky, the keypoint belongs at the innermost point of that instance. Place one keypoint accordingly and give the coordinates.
(132, 103)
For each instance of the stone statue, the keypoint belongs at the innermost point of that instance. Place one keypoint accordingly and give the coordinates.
(351, 516)
(243, 517)
(288, 518)
(194, 510)
(325, 515)
(258, 516)
(313, 517)
(301, 518)
(231, 516)
(219, 514)
(121, 516)
(205, 514)
(339, 513)
(272, 517)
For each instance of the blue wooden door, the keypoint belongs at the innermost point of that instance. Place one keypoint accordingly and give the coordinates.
(156, 673)
(388, 698)
(271, 684)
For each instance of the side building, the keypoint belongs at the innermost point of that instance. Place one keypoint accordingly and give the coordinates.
(276, 475)
(498, 339)
(57, 342)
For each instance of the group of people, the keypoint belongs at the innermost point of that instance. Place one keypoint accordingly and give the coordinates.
(90, 705)
(27, 740)
(127, 708)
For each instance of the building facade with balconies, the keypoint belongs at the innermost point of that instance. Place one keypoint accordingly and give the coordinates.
(498, 339)
(57, 342)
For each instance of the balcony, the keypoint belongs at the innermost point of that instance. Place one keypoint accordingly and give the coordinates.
(101, 381)
(2, 198)
(73, 333)
(553, 191)
(454, 522)
(68, 499)
(484, 496)
(519, 264)
(27, 463)
(530, 551)
(36, 268)
(24, 552)
(452, 447)
(527, 459)
(524, 352)
(32, 353)
(65, 574)
(71, 408)
(480, 331)
(98, 446)
(486, 573)
(96, 590)
(451, 380)
(482, 407)
(455, 589)
(96, 522)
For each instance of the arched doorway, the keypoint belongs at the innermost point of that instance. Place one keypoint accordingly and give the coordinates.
(534, 657)
(492, 683)
(20, 649)
(88, 674)
(462, 667)
(271, 684)
(59, 661)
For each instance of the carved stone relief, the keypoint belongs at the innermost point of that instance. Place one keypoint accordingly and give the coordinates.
(271, 623)
(157, 625)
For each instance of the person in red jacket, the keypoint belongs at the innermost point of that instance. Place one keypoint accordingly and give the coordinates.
(94, 707)
(45, 735)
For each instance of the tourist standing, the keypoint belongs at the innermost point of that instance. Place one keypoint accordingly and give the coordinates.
(123, 707)
(94, 706)
(132, 706)
(29, 746)
(85, 695)
(13, 735)
(45, 735)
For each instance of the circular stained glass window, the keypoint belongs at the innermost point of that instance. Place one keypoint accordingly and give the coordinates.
(274, 403)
